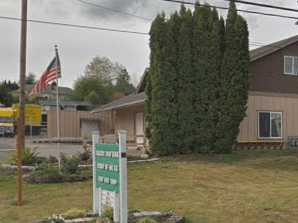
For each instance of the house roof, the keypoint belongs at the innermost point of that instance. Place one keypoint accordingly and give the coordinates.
(66, 103)
(140, 96)
(271, 48)
(52, 90)
(129, 100)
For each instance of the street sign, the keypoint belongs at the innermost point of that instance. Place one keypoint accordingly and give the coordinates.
(110, 177)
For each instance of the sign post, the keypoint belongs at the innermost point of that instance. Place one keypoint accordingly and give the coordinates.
(96, 191)
(110, 177)
(123, 176)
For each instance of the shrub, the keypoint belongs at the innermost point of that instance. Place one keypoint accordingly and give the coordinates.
(70, 165)
(146, 220)
(52, 159)
(29, 157)
(46, 174)
(108, 213)
(85, 156)
(41, 159)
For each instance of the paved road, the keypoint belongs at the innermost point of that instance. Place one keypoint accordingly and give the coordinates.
(7, 145)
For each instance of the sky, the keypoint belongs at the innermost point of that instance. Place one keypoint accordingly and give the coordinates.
(77, 47)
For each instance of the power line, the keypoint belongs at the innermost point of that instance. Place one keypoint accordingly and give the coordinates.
(75, 25)
(239, 10)
(104, 29)
(264, 5)
(113, 10)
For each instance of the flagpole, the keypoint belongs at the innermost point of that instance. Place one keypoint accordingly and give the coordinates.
(58, 113)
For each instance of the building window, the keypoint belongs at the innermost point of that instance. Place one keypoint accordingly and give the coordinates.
(270, 124)
(291, 65)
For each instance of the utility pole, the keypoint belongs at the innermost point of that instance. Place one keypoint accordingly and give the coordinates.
(20, 144)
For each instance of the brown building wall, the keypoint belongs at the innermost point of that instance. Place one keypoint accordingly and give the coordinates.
(125, 120)
(70, 122)
(267, 73)
(285, 103)
(257, 101)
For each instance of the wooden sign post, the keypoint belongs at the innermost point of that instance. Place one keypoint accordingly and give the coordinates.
(110, 177)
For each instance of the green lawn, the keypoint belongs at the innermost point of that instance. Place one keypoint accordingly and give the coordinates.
(245, 187)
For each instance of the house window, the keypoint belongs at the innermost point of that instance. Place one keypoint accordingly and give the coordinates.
(291, 65)
(270, 124)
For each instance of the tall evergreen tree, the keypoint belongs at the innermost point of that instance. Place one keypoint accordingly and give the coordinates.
(234, 80)
(159, 118)
(186, 87)
(152, 76)
(213, 78)
(204, 93)
(197, 83)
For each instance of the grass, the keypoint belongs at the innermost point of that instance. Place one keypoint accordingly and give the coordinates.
(250, 187)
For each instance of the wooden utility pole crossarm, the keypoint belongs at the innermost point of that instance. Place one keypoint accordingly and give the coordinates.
(20, 144)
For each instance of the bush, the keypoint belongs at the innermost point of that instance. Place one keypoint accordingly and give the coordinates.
(85, 156)
(146, 220)
(49, 173)
(70, 165)
(46, 174)
(108, 213)
(29, 157)
(52, 159)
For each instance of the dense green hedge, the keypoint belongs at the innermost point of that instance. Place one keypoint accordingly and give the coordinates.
(197, 83)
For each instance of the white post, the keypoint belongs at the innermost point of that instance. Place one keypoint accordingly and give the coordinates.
(58, 70)
(116, 213)
(96, 191)
(58, 124)
(123, 176)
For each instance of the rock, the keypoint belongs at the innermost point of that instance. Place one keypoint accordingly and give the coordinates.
(144, 214)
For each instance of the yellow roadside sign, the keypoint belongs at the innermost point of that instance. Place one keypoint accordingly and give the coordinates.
(32, 114)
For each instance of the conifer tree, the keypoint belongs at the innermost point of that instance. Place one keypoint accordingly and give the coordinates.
(214, 60)
(234, 80)
(185, 80)
(169, 78)
(156, 46)
(202, 44)
(163, 78)
(197, 83)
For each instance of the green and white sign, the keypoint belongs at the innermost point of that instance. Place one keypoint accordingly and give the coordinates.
(110, 177)
(108, 167)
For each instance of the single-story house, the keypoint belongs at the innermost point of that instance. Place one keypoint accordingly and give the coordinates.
(272, 114)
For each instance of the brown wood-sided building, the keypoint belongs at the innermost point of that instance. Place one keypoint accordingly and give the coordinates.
(272, 113)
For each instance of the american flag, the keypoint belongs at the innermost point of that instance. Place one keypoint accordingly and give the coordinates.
(53, 72)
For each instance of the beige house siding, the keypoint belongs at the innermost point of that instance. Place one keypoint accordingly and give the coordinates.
(258, 101)
(125, 120)
(285, 103)
(70, 122)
